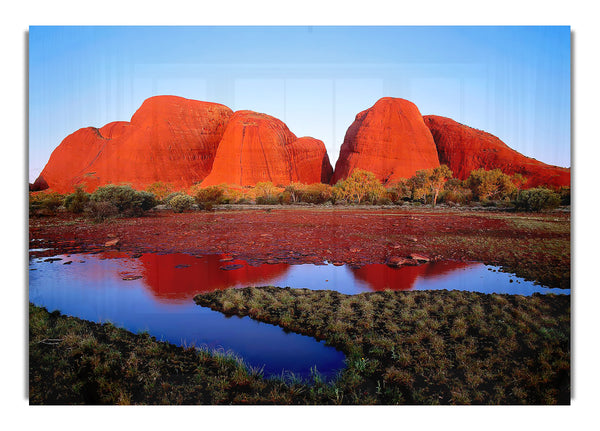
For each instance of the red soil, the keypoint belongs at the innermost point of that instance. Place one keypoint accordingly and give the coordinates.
(304, 235)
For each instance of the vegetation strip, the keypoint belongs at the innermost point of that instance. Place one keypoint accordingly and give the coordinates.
(74, 361)
(427, 347)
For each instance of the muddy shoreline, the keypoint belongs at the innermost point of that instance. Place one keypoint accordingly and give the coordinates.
(534, 246)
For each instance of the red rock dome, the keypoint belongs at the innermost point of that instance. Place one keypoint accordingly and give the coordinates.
(464, 149)
(389, 139)
(169, 139)
(310, 162)
(257, 147)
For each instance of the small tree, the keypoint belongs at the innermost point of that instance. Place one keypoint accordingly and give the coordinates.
(359, 186)
(437, 178)
(490, 185)
(419, 185)
(266, 193)
(295, 191)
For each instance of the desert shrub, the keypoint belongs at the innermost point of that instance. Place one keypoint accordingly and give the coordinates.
(265, 189)
(160, 190)
(460, 197)
(100, 210)
(490, 185)
(181, 203)
(285, 198)
(537, 199)
(76, 201)
(267, 200)
(399, 191)
(129, 202)
(455, 192)
(360, 186)
(293, 192)
(565, 195)
(211, 194)
(167, 199)
(419, 186)
(317, 193)
(231, 194)
(44, 203)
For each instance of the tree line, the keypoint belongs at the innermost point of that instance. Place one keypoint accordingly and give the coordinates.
(427, 187)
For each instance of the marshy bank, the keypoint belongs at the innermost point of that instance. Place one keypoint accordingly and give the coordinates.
(427, 347)
(402, 348)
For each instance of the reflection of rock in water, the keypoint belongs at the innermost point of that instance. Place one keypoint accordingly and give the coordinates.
(382, 277)
(180, 276)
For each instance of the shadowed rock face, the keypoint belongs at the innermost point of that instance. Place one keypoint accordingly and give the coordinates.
(169, 139)
(257, 147)
(389, 139)
(464, 149)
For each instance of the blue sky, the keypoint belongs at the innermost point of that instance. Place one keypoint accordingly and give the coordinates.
(513, 82)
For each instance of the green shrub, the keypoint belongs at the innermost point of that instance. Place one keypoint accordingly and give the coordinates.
(212, 194)
(101, 210)
(565, 195)
(160, 190)
(167, 199)
(267, 200)
(129, 202)
(181, 203)
(45, 203)
(76, 201)
(537, 199)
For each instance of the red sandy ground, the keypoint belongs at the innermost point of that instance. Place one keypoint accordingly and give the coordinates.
(313, 235)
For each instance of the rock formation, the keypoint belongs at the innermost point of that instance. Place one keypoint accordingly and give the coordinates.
(389, 139)
(169, 139)
(309, 160)
(257, 147)
(464, 149)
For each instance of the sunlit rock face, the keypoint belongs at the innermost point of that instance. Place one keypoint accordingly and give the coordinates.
(169, 139)
(464, 149)
(309, 161)
(257, 147)
(389, 139)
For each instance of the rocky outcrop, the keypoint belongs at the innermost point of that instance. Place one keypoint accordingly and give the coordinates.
(257, 147)
(389, 139)
(464, 149)
(169, 139)
(309, 161)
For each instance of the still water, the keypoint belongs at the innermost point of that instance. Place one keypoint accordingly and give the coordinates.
(155, 293)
